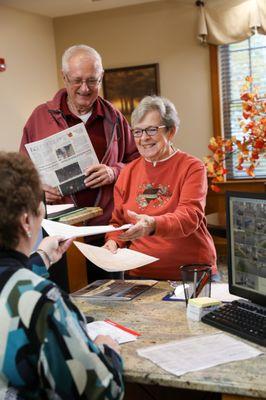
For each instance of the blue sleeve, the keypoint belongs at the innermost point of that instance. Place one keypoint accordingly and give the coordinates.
(38, 266)
(69, 361)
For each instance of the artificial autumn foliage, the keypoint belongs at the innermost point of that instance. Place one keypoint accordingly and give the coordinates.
(250, 148)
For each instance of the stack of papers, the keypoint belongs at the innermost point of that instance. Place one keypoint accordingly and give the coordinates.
(117, 332)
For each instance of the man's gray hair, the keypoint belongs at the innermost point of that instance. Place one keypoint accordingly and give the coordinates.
(80, 48)
(164, 106)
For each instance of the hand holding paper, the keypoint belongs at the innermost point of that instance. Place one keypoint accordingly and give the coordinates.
(144, 226)
(98, 175)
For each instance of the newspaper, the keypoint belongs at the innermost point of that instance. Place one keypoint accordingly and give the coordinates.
(62, 158)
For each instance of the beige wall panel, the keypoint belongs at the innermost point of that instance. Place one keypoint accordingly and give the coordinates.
(27, 44)
(149, 33)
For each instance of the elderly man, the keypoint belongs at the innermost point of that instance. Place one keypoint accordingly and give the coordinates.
(108, 130)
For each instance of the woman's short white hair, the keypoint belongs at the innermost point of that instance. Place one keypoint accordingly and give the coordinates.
(80, 48)
(164, 106)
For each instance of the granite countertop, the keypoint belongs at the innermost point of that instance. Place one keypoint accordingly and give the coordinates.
(162, 321)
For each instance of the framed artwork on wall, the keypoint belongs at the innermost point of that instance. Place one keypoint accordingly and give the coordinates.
(125, 87)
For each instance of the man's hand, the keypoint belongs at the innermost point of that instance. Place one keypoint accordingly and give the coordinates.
(144, 226)
(54, 247)
(99, 175)
(106, 339)
(111, 245)
(52, 195)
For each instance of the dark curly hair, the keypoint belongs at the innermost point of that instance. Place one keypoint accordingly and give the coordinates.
(20, 191)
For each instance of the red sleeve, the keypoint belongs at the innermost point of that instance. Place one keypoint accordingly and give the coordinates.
(190, 210)
(127, 145)
(24, 141)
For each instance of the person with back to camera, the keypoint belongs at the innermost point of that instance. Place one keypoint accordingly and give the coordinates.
(163, 193)
(108, 130)
(45, 352)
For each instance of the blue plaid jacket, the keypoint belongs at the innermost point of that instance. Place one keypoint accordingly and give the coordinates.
(45, 352)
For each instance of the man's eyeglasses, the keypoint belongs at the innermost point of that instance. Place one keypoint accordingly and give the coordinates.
(90, 83)
(150, 131)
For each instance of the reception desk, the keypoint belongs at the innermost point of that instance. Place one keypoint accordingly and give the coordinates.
(162, 321)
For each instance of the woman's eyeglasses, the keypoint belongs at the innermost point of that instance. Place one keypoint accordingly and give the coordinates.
(150, 131)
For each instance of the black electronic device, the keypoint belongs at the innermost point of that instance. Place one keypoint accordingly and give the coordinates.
(89, 318)
(246, 236)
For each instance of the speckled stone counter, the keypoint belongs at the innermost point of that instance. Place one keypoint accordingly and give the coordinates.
(162, 321)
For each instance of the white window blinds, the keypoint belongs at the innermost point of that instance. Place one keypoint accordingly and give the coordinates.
(236, 61)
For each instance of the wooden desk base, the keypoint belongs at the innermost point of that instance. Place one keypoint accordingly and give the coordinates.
(76, 268)
(135, 391)
(233, 397)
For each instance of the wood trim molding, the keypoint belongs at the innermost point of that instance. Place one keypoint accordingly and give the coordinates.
(215, 90)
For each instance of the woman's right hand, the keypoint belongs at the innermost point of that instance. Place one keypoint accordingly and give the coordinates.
(54, 247)
(105, 339)
(111, 245)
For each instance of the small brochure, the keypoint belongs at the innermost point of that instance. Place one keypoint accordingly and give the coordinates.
(118, 332)
(61, 159)
(114, 289)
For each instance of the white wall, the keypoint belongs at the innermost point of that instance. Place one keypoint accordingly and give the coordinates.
(149, 33)
(142, 34)
(27, 44)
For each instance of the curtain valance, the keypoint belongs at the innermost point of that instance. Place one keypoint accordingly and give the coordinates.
(230, 21)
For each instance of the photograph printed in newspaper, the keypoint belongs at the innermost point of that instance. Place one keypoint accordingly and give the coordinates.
(62, 158)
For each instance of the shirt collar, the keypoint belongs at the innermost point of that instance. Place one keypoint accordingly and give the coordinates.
(17, 256)
(97, 108)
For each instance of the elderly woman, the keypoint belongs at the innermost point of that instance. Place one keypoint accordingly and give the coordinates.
(44, 349)
(163, 193)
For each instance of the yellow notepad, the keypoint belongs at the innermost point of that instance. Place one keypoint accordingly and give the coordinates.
(204, 302)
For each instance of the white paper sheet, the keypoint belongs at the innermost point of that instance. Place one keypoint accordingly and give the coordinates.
(198, 352)
(123, 260)
(52, 208)
(54, 228)
(219, 291)
(117, 332)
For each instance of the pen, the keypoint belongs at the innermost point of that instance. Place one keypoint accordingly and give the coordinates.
(202, 282)
(194, 284)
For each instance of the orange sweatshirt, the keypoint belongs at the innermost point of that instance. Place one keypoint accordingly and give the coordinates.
(174, 192)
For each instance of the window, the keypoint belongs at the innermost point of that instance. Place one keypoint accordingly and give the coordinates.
(235, 62)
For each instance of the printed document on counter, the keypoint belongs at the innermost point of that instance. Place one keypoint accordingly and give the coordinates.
(117, 332)
(123, 260)
(54, 228)
(198, 352)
